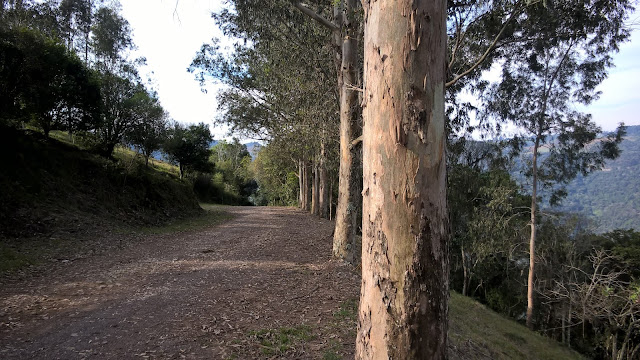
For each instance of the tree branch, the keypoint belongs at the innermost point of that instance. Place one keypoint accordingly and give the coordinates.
(486, 53)
(316, 17)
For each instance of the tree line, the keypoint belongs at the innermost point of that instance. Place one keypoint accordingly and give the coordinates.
(360, 101)
(66, 66)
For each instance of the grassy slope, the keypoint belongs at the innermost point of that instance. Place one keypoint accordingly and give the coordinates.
(54, 195)
(476, 332)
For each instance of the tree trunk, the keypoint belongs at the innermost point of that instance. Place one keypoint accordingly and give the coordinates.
(348, 196)
(465, 270)
(305, 186)
(301, 184)
(315, 192)
(532, 240)
(569, 323)
(331, 200)
(324, 188)
(403, 311)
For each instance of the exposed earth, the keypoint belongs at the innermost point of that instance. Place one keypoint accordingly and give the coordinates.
(261, 285)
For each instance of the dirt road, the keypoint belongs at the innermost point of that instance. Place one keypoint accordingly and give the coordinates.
(261, 285)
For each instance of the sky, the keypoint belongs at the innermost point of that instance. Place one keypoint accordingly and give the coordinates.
(170, 32)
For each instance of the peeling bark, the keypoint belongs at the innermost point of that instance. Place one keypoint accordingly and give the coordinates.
(403, 310)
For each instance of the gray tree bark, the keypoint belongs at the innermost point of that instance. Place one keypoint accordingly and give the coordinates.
(348, 197)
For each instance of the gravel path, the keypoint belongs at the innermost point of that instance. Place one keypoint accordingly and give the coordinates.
(261, 285)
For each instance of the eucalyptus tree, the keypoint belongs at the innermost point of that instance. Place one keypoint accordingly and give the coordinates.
(345, 26)
(76, 21)
(278, 84)
(565, 52)
(404, 295)
(280, 24)
(111, 36)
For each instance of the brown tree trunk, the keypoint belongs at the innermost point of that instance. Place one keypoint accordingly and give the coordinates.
(306, 183)
(301, 184)
(532, 240)
(331, 201)
(323, 187)
(403, 310)
(348, 196)
(315, 191)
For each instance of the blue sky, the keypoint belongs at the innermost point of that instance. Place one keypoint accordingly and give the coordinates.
(169, 32)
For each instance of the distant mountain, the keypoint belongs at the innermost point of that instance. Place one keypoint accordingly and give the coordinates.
(253, 148)
(611, 197)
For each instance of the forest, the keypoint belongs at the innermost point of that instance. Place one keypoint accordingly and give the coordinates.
(380, 118)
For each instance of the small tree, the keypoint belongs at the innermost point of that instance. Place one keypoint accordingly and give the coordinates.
(566, 55)
(118, 111)
(150, 132)
(189, 147)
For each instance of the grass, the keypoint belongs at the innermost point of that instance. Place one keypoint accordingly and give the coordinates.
(131, 157)
(19, 254)
(121, 153)
(213, 215)
(348, 310)
(476, 332)
(333, 352)
(280, 341)
(12, 260)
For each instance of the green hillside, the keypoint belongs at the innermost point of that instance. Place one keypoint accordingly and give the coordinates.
(50, 186)
(476, 332)
(611, 197)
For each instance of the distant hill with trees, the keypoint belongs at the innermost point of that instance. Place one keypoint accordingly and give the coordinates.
(611, 197)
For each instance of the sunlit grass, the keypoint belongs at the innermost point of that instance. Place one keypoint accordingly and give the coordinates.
(279, 341)
(212, 216)
(474, 327)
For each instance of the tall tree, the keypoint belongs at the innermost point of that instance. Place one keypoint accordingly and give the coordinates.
(271, 22)
(274, 92)
(404, 295)
(111, 35)
(345, 27)
(566, 54)
(76, 20)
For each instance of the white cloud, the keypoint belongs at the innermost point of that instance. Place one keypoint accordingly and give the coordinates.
(169, 33)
